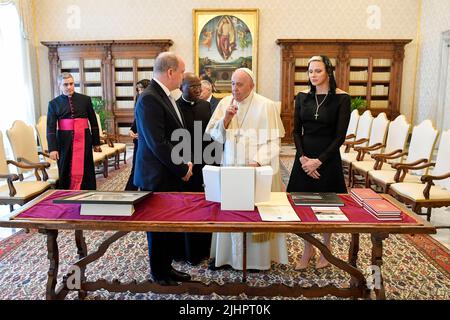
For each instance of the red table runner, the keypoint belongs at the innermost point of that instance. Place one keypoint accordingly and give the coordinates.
(188, 207)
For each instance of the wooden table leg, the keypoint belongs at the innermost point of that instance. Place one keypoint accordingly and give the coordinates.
(53, 256)
(353, 257)
(82, 252)
(377, 262)
(357, 278)
(354, 250)
(244, 257)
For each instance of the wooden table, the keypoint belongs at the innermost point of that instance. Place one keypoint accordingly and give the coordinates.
(357, 288)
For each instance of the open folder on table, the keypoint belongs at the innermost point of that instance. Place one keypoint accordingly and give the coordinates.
(278, 208)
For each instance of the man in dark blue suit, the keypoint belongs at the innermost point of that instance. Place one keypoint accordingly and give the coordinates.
(157, 117)
(206, 94)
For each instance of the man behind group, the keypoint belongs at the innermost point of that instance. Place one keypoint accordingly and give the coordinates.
(71, 144)
(206, 94)
(157, 117)
(196, 113)
(234, 123)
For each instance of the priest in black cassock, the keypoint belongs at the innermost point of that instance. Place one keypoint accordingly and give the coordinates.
(196, 113)
(70, 140)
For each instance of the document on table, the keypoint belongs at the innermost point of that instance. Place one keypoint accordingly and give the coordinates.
(277, 209)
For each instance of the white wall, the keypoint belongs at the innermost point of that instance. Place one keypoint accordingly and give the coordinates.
(434, 21)
(147, 19)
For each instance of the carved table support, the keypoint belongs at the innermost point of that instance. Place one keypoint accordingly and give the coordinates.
(82, 252)
(358, 280)
(354, 250)
(377, 261)
(244, 257)
(53, 256)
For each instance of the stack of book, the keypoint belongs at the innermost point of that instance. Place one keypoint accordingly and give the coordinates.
(383, 210)
(360, 195)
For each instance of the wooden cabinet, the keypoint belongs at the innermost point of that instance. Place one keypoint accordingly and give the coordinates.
(370, 69)
(107, 69)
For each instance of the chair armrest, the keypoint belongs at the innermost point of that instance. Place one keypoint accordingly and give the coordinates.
(43, 164)
(349, 144)
(111, 139)
(428, 179)
(403, 168)
(9, 180)
(376, 146)
(350, 136)
(11, 176)
(380, 158)
(388, 156)
(362, 151)
(413, 165)
(30, 165)
(352, 143)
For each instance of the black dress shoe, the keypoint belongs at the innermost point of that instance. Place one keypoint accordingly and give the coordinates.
(178, 275)
(166, 281)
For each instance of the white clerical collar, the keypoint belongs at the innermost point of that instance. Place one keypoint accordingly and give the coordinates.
(190, 102)
(166, 90)
(209, 99)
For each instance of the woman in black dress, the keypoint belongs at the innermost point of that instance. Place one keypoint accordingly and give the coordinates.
(321, 118)
(140, 86)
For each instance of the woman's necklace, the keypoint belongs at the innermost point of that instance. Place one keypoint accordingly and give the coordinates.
(319, 104)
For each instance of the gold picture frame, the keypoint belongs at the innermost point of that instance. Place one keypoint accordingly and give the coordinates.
(224, 40)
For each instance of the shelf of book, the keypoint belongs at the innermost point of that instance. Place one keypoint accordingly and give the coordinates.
(364, 63)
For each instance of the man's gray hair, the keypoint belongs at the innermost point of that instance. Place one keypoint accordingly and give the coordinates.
(64, 75)
(207, 84)
(165, 61)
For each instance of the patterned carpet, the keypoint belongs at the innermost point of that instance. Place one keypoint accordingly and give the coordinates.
(414, 267)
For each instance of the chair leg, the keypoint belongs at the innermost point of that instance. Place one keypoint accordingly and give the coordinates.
(428, 214)
(417, 209)
(125, 156)
(117, 159)
(366, 180)
(105, 167)
(350, 177)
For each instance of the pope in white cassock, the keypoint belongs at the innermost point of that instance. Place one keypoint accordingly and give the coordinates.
(250, 127)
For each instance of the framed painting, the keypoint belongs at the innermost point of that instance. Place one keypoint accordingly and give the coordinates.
(224, 40)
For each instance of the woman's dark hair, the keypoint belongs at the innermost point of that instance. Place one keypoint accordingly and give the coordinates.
(144, 83)
(328, 69)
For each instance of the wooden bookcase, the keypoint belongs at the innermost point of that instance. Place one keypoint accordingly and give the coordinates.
(108, 69)
(370, 69)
